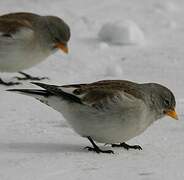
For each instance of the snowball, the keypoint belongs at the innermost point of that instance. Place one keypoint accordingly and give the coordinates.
(120, 33)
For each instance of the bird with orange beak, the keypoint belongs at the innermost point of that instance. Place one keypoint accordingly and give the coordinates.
(27, 39)
(108, 111)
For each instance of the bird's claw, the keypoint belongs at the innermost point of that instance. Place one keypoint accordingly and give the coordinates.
(126, 146)
(98, 150)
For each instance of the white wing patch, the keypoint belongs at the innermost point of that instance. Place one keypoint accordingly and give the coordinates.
(23, 33)
(4, 37)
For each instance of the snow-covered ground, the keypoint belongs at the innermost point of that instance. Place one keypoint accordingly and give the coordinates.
(35, 141)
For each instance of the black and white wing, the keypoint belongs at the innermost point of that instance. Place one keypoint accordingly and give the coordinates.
(95, 95)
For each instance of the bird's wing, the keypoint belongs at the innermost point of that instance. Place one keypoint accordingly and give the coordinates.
(99, 95)
(11, 29)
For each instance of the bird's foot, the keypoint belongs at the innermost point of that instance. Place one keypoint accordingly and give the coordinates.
(29, 77)
(126, 146)
(8, 83)
(98, 150)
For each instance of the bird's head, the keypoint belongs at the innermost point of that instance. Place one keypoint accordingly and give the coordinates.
(162, 100)
(58, 32)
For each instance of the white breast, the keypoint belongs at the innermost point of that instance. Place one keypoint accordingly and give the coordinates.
(107, 126)
(21, 51)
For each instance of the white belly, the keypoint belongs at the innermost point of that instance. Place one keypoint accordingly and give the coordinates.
(20, 53)
(107, 127)
(18, 60)
(112, 125)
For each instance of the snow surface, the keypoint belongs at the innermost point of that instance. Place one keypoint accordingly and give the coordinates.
(35, 141)
(121, 33)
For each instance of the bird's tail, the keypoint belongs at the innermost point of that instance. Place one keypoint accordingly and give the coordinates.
(49, 92)
(44, 97)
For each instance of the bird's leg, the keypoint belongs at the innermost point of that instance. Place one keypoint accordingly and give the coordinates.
(95, 148)
(126, 146)
(8, 83)
(29, 77)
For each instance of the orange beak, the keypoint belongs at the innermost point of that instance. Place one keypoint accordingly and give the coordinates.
(63, 47)
(172, 113)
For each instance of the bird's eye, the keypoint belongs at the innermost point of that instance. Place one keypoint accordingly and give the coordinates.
(166, 102)
(57, 40)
